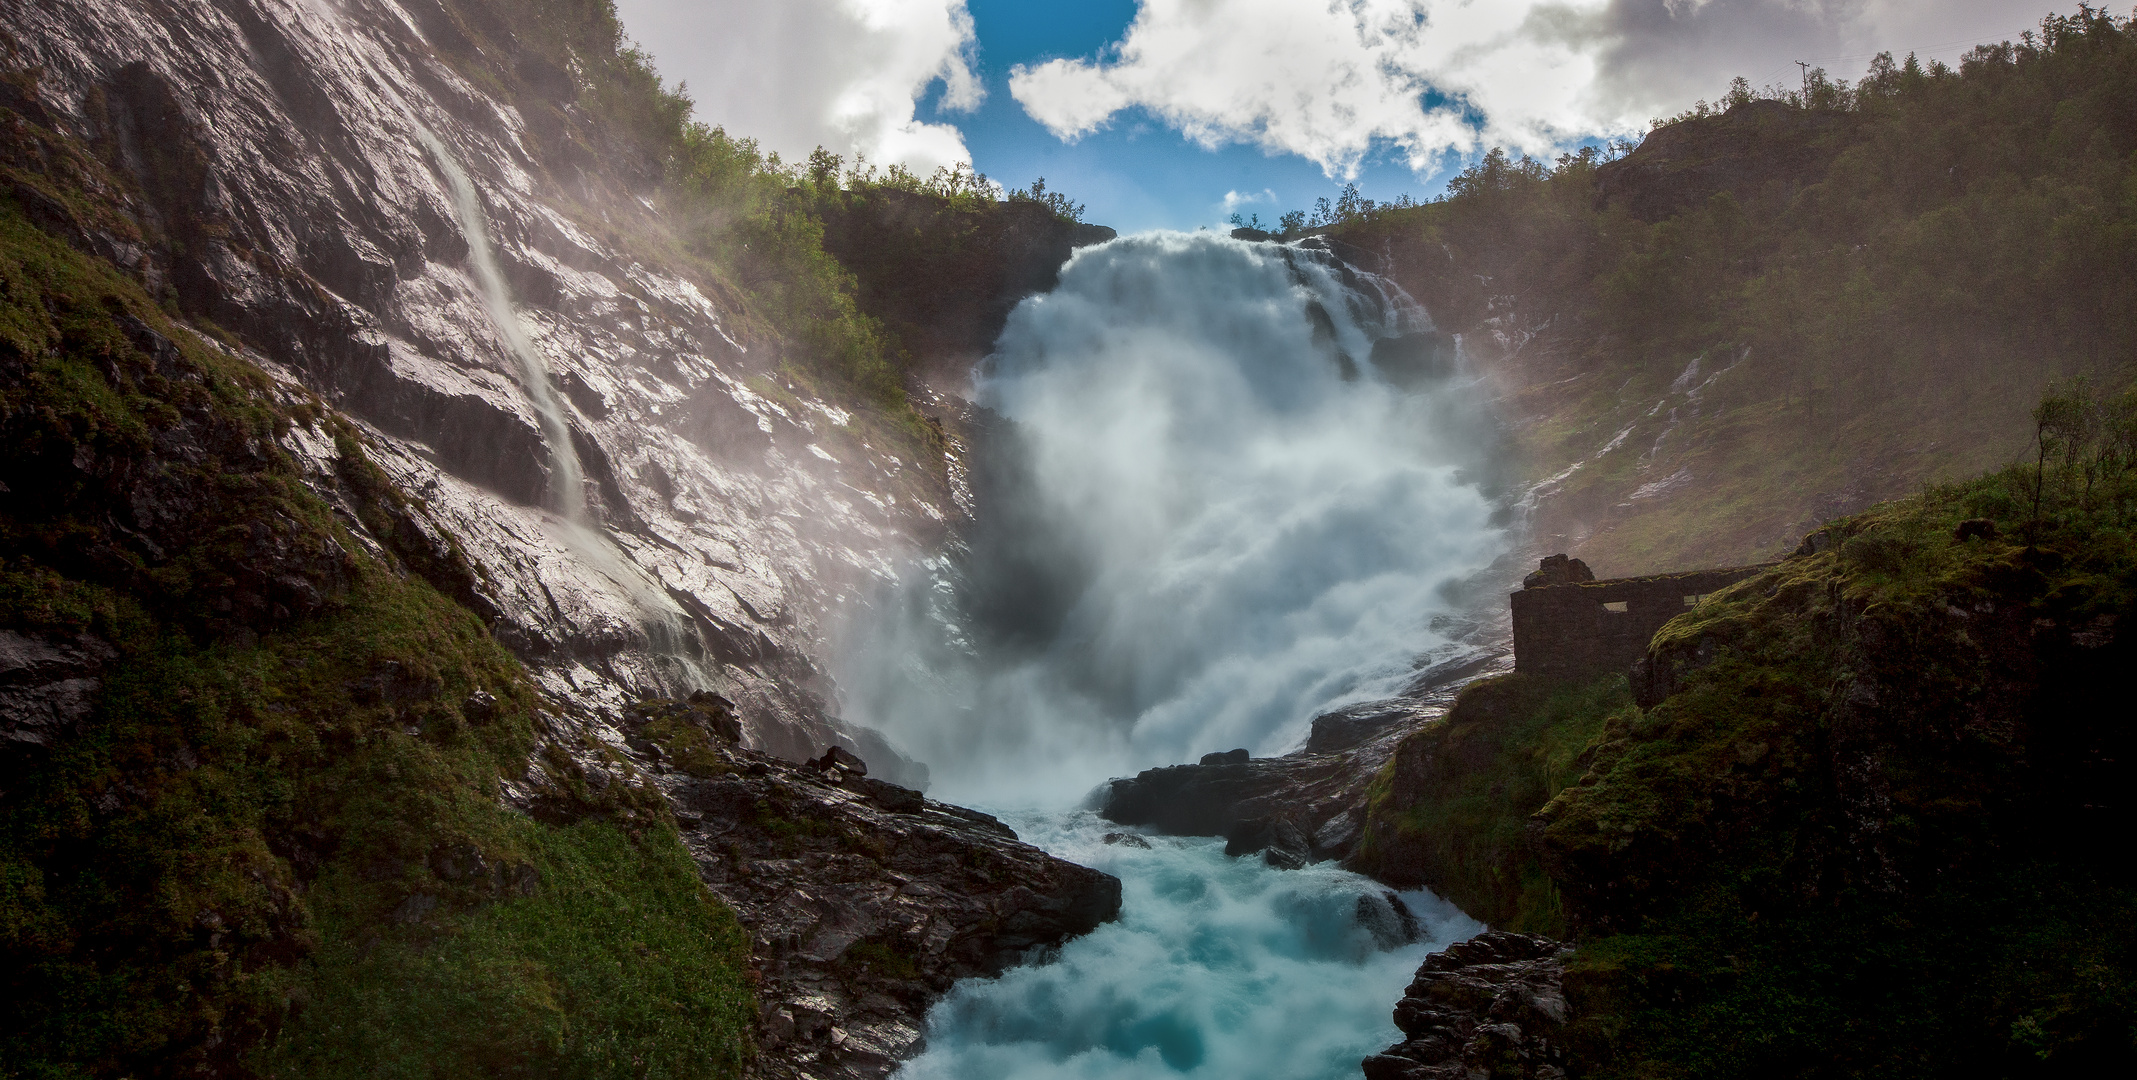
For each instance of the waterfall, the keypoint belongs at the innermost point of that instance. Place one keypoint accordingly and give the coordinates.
(1230, 486)
(567, 487)
(1233, 485)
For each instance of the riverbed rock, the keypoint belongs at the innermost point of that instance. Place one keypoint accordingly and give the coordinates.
(865, 901)
(1490, 1007)
(1304, 807)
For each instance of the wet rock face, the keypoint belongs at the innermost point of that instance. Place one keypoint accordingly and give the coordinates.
(276, 185)
(1490, 1007)
(48, 684)
(865, 900)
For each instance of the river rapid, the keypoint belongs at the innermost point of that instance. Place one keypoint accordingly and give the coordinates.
(1217, 967)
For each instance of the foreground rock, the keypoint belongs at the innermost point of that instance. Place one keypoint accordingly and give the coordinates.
(1493, 1006)
(1306, 806)
(865, 901)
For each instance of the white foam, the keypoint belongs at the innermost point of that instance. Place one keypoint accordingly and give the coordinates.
(1245, 534)
(1218, 968)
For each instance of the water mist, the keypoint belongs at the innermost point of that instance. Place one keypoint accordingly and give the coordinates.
(1230, 488)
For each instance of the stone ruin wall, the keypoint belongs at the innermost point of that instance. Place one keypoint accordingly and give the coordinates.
(1581, 628)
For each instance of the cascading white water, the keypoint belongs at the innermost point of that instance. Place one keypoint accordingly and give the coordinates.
(567, 485)
(1212, 517)
(1230, 492)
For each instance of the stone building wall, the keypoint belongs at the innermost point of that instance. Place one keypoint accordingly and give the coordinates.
(1584, 627)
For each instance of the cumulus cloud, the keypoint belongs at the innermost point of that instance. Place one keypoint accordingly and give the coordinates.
(1331, 80)
(795, 74)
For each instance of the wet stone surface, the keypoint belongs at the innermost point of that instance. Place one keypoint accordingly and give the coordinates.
(1490, 1007)
(864, 900)
(726, 510)
(1303, 807)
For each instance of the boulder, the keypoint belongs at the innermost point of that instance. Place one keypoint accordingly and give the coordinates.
(1493, 1006)
(839, 759)
(866, 901)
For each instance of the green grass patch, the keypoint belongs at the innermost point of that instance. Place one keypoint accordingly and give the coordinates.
(618, 964)
(1451, 809)
(276, 842)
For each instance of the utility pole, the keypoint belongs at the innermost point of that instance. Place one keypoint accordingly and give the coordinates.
(1805, 65)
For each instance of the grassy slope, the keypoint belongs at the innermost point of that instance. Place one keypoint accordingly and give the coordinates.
(1876, 830)
(253, 856)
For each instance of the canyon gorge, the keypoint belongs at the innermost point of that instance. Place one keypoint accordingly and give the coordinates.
(500, 579)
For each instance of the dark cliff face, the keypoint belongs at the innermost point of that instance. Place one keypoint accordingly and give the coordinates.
(1856, 740)
(323, 744)
(1450, 809)
(269, 175)
(1760, 154)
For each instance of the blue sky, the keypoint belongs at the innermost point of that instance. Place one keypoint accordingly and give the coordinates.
(1099, 96)
(1136, 173)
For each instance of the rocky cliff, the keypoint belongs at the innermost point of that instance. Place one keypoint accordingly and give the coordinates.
(412, 566)
(273, 178)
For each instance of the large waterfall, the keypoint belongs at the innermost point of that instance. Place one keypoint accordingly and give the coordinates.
(1230, 486)
(1230, 491)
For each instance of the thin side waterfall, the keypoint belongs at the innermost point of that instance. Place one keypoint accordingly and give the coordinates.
(667, 626)
(567, 487)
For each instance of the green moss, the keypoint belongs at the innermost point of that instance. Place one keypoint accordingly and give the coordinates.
(1873, 832)
(618, 964)
(688, 745)
(882, 958)
(1451, 809)
(253, 855)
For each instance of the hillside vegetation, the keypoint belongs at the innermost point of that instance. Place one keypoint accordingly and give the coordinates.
(1865, 815)
(1776, 310)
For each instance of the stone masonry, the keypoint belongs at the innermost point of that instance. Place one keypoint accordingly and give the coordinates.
(1568, 623)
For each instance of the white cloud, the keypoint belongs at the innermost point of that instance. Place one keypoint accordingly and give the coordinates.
(795, 74)
(1330, 80)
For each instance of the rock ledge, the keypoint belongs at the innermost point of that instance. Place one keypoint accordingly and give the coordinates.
(1492, 1006)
